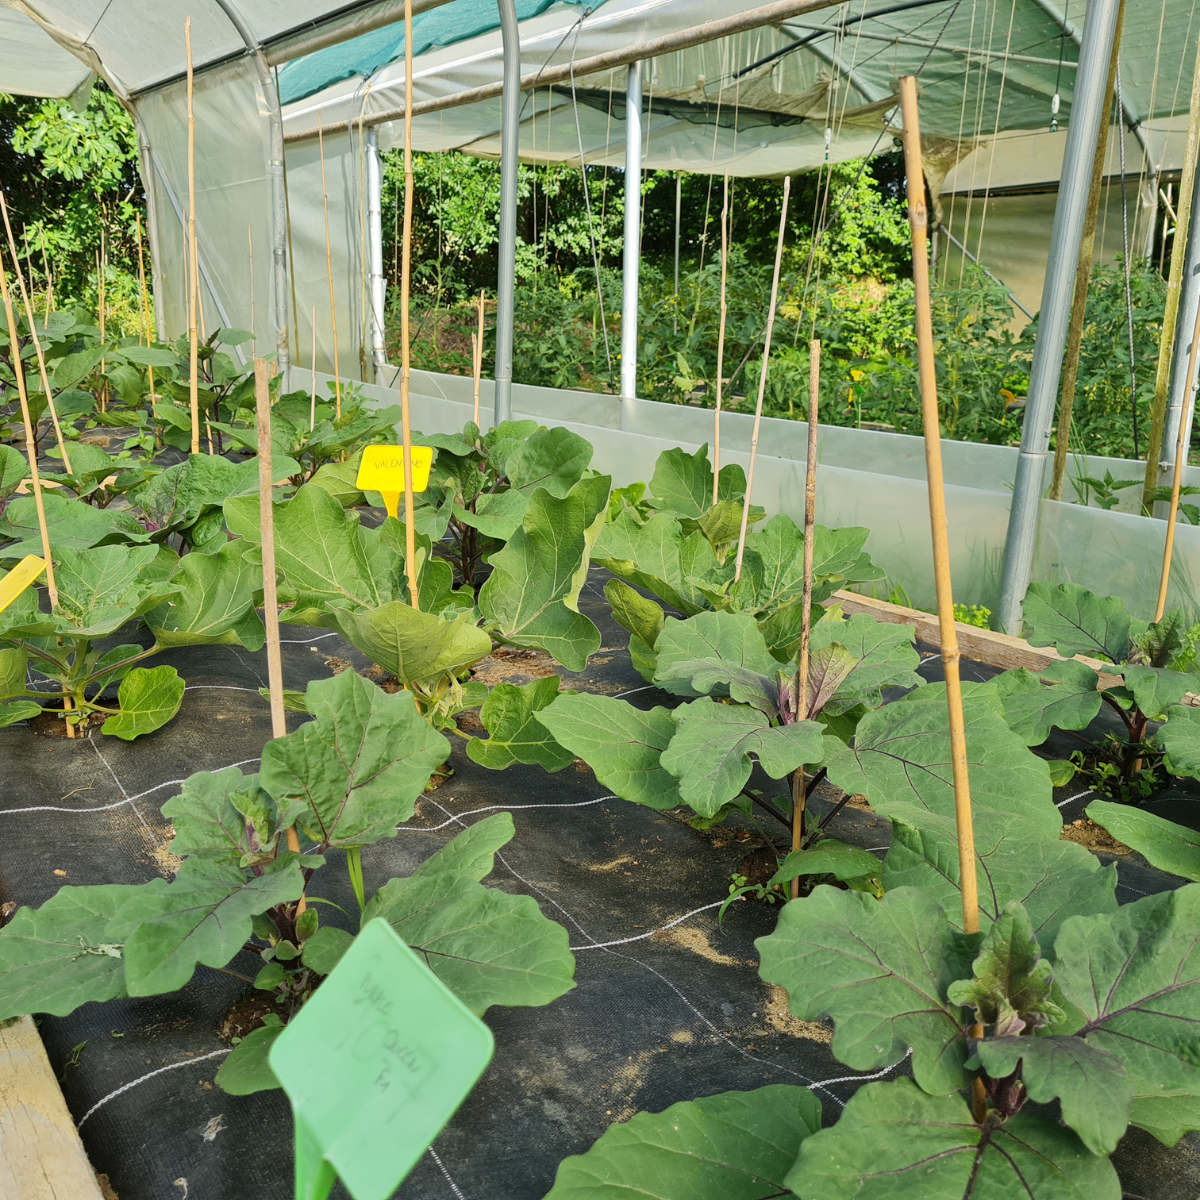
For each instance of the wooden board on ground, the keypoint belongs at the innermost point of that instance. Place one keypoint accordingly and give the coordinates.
(41, 1156)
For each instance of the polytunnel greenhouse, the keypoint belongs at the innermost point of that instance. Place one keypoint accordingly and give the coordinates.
(623, 583)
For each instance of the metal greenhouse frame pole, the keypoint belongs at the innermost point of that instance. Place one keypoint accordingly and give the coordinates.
(378, 281)
(1065, 240)
(633, 242)
(506, 276)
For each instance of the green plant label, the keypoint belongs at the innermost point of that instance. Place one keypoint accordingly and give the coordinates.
(375, 1064)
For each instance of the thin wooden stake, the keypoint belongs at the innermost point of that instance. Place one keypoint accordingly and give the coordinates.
(250, 245)
(918, 218)
(266, 514)
(762, 379)
(37, 343)
(193, 253)
(1185, 420)
(146, 321)
(720, 327)
(337, 366)
(49, 278)
(810, 519)
(477, 347)
(30, 445)
(312, 400)
(410, 535)
(100, 311)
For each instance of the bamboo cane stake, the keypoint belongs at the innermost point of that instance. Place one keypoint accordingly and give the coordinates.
(100, 310)
(337, 368)
(477, 347)
(49, 278)
(1083, 274)
(312, 400)
(762, 379)
(1166, 350)
(146, 321)
(720, 333)
(37, 343)
(810, 520)
(1173, 514)
(193, 254)
(410, 538)
(30, 445)
(266, 512)
(927, 368)
(918, 219)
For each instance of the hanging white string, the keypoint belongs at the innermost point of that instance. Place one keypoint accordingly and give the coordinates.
(1125, 254)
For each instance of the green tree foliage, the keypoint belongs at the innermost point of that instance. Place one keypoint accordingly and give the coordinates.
(70, 175)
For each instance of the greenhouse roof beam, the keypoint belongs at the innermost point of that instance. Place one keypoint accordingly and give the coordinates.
(963, 51)
(684, 39)
(1131, 120)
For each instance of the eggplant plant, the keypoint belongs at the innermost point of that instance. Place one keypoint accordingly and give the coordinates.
(741, 705)
(342, 781)
(681, 547)
(1068, 695)
(200, 599)
(1089, 1007)
(481, 486)
(338, 573)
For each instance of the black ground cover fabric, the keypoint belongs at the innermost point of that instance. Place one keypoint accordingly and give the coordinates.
(668, 1005)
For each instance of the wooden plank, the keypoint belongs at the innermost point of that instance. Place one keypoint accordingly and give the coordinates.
(979, 645)
(41, 1156)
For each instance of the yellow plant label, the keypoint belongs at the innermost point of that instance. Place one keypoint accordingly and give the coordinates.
(382, 470)
(19, 578)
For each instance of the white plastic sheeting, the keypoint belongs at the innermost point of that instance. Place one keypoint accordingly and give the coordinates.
(866, 478)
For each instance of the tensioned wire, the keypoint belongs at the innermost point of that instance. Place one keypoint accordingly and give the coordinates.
(985, 69)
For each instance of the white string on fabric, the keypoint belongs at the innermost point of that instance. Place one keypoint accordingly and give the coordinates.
(190, 1062)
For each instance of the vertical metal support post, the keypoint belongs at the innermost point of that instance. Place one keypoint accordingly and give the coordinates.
(633, 242)
(510, 128)
(378, 282)
(1178, 399)
(1065, 240)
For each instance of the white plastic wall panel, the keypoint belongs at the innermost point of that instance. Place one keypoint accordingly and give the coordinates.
(32, 63)
(233, 200)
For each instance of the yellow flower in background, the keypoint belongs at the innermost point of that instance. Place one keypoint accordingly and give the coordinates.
(857, 375)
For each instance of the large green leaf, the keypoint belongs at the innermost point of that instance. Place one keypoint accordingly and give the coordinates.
(1053, 879)
(411, 644)
(488, 947)
(1155, 689)
(733, 1146)
(473, 850)
(1179, 739)
(554, 459)
(225, 816)
(319, 550)
(828, 858)
(682, 483)
(1090, 1082)
(360, 765)
(148, 699)
(176, 497)
(1135, 976)
(651, 556)
(718, 652)
(14, 470)
(640, 616)
(529, 595)
(218, 593)
(1165, 845)
(880, 969)
(710, 752)
(622, 744)
(72, 525)
(203, 916)
(515, 735)
(1167, 1118)
(885, 656)
(893, 1142)
(14, 669)
(902, 754)
(1076, 621)
(1062, 694)
(62, 955)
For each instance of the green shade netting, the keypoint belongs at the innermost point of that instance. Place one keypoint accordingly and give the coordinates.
(363, 56)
